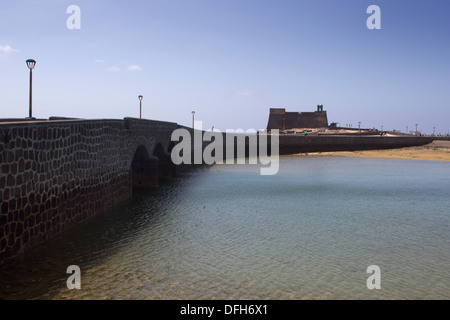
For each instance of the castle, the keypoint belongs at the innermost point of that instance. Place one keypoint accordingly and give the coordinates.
(282, 120)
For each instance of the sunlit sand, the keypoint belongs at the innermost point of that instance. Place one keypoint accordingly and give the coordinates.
(438, 150)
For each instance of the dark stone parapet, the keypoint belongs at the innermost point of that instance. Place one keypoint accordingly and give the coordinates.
(445, 138)
(291, 144)
(56, 173)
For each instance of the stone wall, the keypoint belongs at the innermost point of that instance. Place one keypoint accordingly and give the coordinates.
(56, 173)
(282, 120)
(291, 144)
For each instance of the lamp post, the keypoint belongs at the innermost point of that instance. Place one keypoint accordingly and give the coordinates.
(193, 114)
(30, 64)
(140, 106)
(406, 129)
(416, 129)
(359, 127)
(434, 131)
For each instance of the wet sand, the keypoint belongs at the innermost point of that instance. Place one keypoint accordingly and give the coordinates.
(438, 150)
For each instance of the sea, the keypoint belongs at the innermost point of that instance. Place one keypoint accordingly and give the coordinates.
(323, 227)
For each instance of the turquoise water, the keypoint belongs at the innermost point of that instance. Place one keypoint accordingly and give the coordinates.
(226, 232)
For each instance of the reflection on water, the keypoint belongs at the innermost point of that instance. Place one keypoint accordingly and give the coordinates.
(225, 232)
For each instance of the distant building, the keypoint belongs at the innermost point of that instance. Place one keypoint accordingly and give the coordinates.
(282, 120)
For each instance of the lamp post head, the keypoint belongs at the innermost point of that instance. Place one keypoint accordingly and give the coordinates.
(193, 112)
(140, 97)
(31, 63)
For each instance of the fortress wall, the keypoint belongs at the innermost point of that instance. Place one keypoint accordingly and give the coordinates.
(280, 119)
(291, 144)
(312, 120)
(447, 138)
(275, 121)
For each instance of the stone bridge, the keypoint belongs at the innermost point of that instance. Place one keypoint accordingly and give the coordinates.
(57, 172)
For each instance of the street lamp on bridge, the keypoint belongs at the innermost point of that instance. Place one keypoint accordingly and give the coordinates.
(140, 106)
(193, 115)
(30, 64)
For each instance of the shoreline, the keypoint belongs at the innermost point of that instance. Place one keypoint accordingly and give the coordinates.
(438, 150)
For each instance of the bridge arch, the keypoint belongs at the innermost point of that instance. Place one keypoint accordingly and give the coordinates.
(170, 146)
(144, 168)
(173, 168)
(166, 168)
(158, 150)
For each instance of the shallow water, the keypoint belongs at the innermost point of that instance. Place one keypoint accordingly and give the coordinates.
(226, 232)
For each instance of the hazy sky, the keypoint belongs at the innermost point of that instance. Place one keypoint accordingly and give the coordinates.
(229, 60)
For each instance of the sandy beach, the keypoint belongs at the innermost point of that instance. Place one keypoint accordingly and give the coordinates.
(438, 150)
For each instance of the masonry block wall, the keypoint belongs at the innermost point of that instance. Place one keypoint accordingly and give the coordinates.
(282, 120)
(291, 144)
(56, 173)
